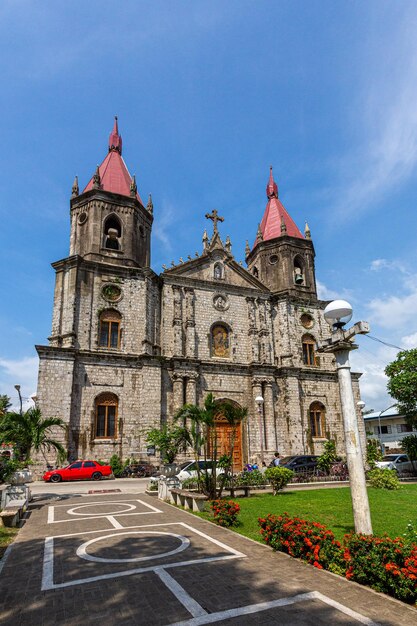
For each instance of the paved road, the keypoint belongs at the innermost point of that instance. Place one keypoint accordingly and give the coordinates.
(129, 559)
(125, 485)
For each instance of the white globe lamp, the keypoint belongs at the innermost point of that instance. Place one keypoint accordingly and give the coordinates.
(338, 313)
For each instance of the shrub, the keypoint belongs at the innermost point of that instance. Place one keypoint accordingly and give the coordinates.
(373, 452)
(385, 564)
(225, 512)
(116, 465)
(189, 483)
(253, 478)
(302, 539)
(278, 477)
(325, 461)
(382, 478)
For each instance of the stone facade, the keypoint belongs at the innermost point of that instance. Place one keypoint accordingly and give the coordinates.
(139, 345)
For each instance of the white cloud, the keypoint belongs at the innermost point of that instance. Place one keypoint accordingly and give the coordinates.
(373, 382)
(395, 312)
(409, 341)
(20, 371)
(324, 293)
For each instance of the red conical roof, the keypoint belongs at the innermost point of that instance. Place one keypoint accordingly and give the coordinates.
(114, 175)
(275, 214)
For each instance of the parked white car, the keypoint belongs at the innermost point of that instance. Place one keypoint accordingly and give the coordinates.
(398, 462)
(188, 469)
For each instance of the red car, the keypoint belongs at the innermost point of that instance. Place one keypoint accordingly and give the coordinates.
(80, 470)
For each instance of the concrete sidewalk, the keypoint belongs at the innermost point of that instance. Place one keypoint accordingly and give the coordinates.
(130, 559)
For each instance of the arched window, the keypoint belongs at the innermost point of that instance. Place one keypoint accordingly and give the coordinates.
(218, 271)
(109, 333)
(299, 277)
(317, 419)
(220, 341)
(105, 426)
(255, 272)
(112, 233)
(309, 353)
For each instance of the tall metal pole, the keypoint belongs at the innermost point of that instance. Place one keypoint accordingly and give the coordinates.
(17, 387)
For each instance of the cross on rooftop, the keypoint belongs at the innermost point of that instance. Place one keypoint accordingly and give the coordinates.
(216, 218)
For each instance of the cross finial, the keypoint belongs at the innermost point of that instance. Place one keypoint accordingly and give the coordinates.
(216, 218)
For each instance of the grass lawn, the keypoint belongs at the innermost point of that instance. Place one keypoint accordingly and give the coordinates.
(7, 535)
(391, 511)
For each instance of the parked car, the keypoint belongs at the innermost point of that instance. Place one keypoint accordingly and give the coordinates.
(398, 462)
(139, 470)
(188, 469)
(303, 464)
(80, 470)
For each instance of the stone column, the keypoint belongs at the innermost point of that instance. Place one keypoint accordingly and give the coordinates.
(256, 429)
(190, 346)
(253, 332)
(177, 321)
(269, 418)
(177, 391)
(191, 391)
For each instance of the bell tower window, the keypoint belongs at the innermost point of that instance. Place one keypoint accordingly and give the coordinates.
(112, 233)
(109, 333)
(299, 277)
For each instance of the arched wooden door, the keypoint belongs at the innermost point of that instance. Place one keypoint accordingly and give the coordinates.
(225, 433)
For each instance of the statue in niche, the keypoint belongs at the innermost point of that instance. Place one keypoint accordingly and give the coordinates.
(220, 303)
(218, 274)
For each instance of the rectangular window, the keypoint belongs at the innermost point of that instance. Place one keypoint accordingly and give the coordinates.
(104, 334)
(385, 430)
(106, 420)
(315, 424)
(308, 354)
(109, 334)
(404, 428)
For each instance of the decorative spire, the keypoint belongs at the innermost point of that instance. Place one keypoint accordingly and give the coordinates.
(307, 232)
(283, 226)
(247, 249)
(205, 240)
(259, 236)
(272, 187)
(75, 189)
(149, 206)
(97, 179)
(133, 187)
(115, 140)
(228, 244)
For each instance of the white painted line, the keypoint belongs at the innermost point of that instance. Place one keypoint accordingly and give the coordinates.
(106, 501)
(91, 516)
(192, 606)
(100, 516)
(114, 522)
(215, 541)
(266, 606)
(48, 565)
(83, 554)
(5, 556)
(130, 507)
(50, 515)
(155, 510)
(344, 609)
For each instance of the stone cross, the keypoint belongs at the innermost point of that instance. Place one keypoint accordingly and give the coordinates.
(216, 218)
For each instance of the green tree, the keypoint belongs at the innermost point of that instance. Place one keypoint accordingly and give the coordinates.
(402, 384)
(373, 452)
(5, 404)
(29, 432)
(168, 440)
(409, 445)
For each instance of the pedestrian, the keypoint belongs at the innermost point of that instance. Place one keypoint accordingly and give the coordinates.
(276, 460)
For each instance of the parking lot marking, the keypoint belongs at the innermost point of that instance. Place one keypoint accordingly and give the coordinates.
(250, 609)
(193, 607)
(90, 516)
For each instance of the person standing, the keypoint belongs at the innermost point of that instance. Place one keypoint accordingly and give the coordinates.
(276, 460)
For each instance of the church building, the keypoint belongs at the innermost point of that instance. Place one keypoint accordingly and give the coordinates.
(129, 347)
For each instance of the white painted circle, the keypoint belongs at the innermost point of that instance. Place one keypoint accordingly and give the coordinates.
(82, 550)
(131, 507)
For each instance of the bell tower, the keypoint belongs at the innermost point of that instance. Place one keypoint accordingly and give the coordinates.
(282, 258)
(109, 221)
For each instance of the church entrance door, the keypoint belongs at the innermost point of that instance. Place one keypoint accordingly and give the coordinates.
(224, 433)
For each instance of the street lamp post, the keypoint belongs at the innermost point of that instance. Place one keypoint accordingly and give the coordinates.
(259, 402)
(17, 387)
(337, 314)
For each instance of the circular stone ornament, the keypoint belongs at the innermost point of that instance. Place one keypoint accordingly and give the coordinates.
(306, 320)
(83, 217)
(111, 292)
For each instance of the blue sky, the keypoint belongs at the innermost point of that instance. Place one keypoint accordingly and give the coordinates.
(208, 95)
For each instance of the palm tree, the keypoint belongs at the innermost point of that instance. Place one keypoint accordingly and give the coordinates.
(29, 432)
